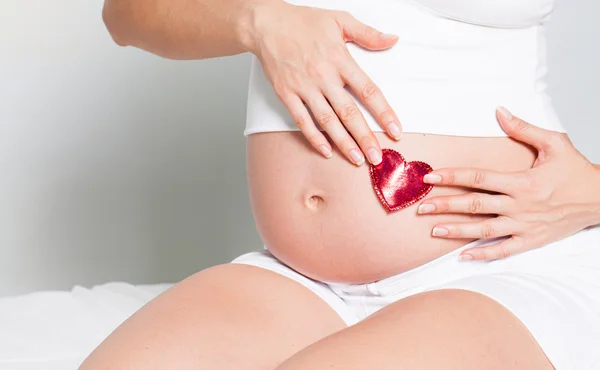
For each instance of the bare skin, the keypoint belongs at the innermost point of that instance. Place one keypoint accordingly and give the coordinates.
(322, 216)
(228, 317)
(534, 207)
(471, 332)
(307, 68)
(242, 317)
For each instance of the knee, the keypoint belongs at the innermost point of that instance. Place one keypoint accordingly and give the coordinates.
(443, 315)
(462, 328)
(433, 330)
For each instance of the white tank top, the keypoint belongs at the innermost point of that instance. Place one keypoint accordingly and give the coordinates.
(493, 13)
(456, 61)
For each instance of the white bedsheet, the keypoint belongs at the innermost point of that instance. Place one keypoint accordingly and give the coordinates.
(57, 330)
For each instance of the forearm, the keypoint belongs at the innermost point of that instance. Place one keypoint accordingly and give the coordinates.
(183, 29)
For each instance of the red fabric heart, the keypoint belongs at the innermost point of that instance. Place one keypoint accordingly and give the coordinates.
(399, 184)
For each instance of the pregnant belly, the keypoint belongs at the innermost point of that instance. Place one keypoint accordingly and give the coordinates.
(322, 218)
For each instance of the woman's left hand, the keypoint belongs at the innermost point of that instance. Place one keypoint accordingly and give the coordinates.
(557, 197)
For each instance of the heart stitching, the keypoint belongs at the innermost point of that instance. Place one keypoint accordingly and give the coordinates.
(399, 184)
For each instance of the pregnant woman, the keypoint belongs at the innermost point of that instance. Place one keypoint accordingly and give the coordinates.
(491, 261)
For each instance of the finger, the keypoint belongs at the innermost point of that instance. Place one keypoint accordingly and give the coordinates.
(476, 178)
(363, 35)
(355, 123)
(505, 248)
(306, 125)
(328, 120)
(373, 98)
(474, 203)
(492, 228)
(523, 131)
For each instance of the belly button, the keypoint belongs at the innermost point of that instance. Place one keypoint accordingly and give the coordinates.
(315, 203)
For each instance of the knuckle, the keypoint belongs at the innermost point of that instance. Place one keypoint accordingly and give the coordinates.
(338, 55)
(558, 141)
(346, 144)
(344, 14)
(317, 70)
(488, 231)
(350, 70)
(533, 184)
(370, 32)
(478, 179)
(442, 206)
(292, 80)
(369, 91)
(326, 119)
(284, 96)
(301, 122)
(505, 252)
(387, 113)
(524, 182)
(522, 126)
(281, 89)
(314, 139)
(489, 254)
(366, 141)
(564, 139)
(476, 204)
(545, 198)
(512, 206)
(349, 112)
(537, 190)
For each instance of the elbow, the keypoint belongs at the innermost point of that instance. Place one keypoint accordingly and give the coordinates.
(114, 18)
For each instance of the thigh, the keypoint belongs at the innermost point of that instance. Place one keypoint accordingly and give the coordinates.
(226, 317)
(444, 329)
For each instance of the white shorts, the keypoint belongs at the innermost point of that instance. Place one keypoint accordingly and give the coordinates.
(554, 291)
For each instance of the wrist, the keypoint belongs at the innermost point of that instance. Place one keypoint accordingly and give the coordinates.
(251, 21)
(596, 200)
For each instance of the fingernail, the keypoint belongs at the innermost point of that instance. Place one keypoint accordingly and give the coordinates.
(431, 178)
(324, 149)
(374, 156)
(440, 231)
(388, 36)
(357, 157)
(426, 208)
(505, 113)
(395, 130)
(466, 257)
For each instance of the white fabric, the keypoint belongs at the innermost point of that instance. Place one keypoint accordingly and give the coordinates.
(497, 13)
(57, 330)
(442, 77)
(553, 290)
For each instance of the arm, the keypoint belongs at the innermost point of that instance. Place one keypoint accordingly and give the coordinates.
(596, 211)
(183, 29)
(301, 49)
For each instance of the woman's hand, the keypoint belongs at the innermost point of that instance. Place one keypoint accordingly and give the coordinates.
(556, 198)
(303, 53)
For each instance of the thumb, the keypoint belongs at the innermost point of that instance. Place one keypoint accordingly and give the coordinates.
(523, 131)
(366, 36)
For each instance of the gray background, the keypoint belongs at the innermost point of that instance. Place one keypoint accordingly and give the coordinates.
(118, 165)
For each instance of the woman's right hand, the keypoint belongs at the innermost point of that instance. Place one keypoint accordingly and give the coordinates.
(304, 55)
